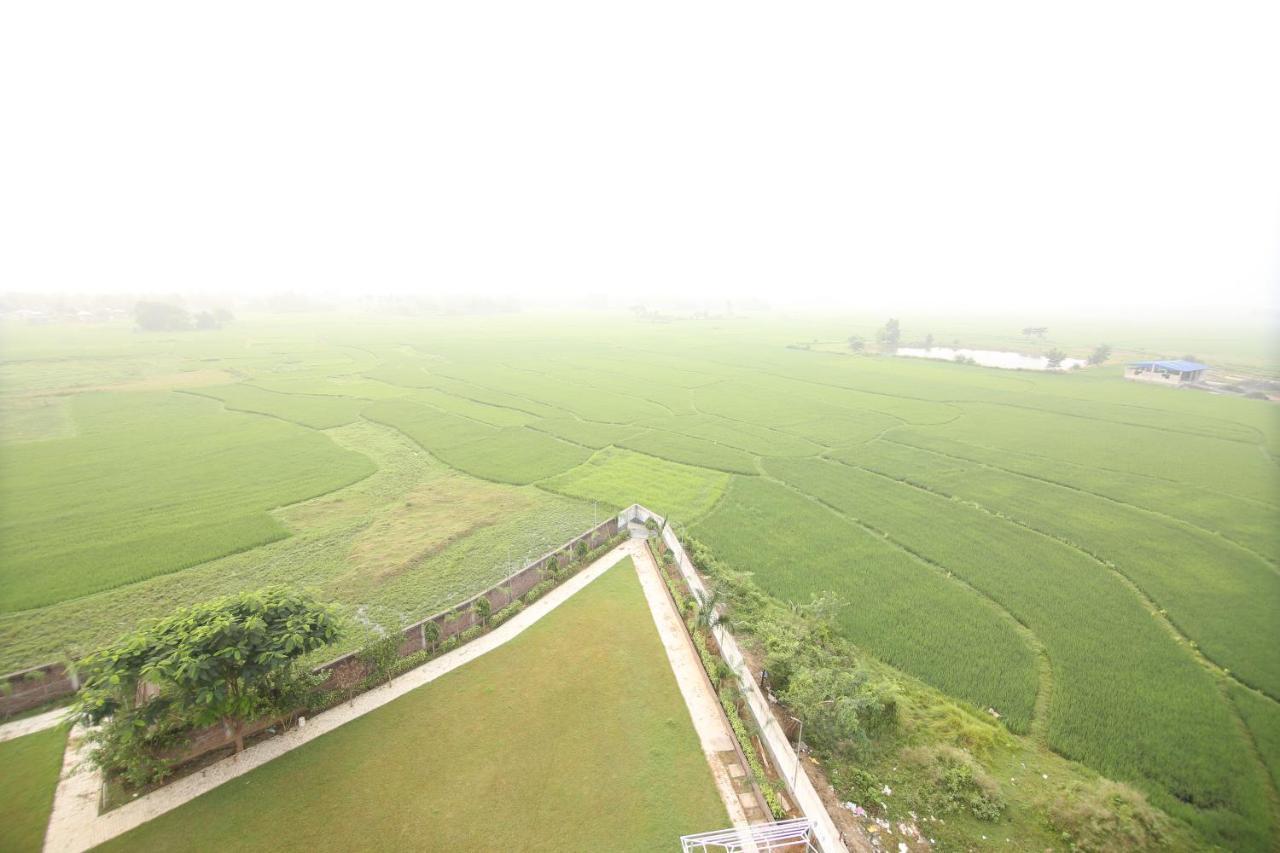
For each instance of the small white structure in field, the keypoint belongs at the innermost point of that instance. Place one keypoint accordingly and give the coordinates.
(1174, 372)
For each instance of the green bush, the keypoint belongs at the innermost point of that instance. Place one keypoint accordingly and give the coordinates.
(957, 783)
(749, 750)
(469, 634)
(505, 613)
(1107, 816)
(854, 783)
(538, 591)
(431, 634)
(380, 656)
(125, 747)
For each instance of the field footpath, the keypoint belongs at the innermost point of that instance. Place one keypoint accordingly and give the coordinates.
(75, 824)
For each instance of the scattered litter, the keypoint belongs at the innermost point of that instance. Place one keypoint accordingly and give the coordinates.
(902, 847)
(1044, 775)
(856, 809)
(887, 791)
(993, 712)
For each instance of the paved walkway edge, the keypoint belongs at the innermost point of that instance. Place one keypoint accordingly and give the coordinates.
(774, 738)
(75, 824)
(704, 709)
(31, 725)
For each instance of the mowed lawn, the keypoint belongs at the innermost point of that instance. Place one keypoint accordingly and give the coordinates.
(573, 736)
(29, 768)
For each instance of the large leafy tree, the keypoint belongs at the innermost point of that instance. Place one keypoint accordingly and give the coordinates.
(223, 661)
(890, 334)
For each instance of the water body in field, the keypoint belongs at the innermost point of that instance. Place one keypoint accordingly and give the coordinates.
(990, 358)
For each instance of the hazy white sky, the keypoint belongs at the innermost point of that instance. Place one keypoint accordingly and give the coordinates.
(894, 153)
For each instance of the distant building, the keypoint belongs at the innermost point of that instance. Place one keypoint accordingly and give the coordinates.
(1165, 372)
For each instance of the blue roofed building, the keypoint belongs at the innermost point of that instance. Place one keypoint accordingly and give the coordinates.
(1172, 372)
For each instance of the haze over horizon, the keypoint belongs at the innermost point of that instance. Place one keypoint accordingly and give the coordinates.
(995, 156)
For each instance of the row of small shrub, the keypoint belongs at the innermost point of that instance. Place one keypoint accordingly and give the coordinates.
(748, 749)
(714, 666)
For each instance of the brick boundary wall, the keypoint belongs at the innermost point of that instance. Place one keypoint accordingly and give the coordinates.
(30, 688)
(461, 616)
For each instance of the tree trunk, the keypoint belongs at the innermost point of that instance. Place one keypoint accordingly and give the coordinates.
(237, 733)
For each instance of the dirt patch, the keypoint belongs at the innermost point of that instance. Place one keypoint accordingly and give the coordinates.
(430, 518)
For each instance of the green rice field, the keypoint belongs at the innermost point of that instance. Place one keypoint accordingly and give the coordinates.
(1095, 561)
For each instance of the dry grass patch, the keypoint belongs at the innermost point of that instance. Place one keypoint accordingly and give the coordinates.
(431, 517)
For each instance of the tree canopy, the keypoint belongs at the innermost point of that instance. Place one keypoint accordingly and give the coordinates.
(890, 334)
(221, 661)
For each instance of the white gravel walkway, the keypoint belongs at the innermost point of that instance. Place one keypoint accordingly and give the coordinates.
(708, 720)
(31, 725)
(75, 824)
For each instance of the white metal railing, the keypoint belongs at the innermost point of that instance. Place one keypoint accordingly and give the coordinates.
(780, 835)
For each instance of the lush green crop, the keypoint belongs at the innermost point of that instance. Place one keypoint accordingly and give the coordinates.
(499, 416)
(128, 498)
(1074, 504)
(1262, 715)
(691, 451)
(435, 430)
(586, 433)
(619, 478)
(899, 608)
(515, 456)
(755, 440)
(1229, 612)
(313, 410)
(1113, 707)
(1246, 522)
(1230, 467)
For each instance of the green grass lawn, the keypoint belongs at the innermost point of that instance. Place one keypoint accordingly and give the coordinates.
(573, 736)
(29, 768)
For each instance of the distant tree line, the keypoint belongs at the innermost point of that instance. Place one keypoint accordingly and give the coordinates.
(166, 317)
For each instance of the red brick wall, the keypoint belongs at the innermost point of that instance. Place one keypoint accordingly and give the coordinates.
(31, 688)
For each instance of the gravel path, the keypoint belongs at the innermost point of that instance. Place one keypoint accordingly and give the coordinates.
(31, 725)
(708, 720)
